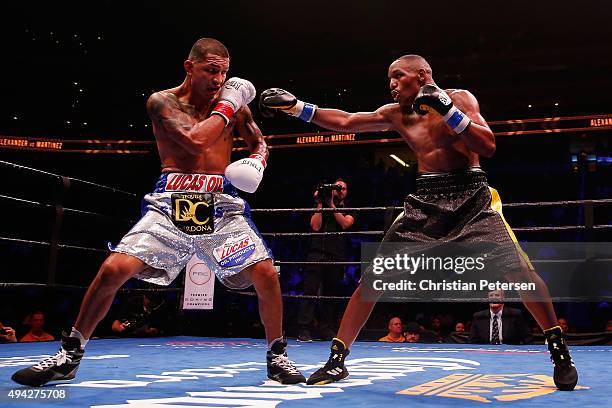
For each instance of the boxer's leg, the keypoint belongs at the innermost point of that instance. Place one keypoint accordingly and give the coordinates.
(113, 273)
(265, 279)
(238, 270)
(153, 257)
(539, 304)
(355, 316)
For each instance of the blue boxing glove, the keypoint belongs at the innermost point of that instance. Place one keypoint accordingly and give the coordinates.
(430, 97)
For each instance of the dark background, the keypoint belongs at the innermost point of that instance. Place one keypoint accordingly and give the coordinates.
(80, 70)
(333, 53)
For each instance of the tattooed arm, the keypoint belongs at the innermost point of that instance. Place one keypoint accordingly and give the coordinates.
(249, 131)
(164, 110)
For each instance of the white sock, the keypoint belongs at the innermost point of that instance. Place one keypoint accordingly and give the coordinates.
(78, 335)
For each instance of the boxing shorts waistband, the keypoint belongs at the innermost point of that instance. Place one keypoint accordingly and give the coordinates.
(194, 183)
(449, 183)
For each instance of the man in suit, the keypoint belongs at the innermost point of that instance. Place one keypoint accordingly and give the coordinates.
(499, 324)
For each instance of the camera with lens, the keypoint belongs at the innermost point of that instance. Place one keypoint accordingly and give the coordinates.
(324, 192)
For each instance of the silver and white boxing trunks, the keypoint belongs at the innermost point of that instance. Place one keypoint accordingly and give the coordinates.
(198, 214)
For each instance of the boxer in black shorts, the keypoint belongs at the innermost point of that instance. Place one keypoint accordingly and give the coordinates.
(453, 202)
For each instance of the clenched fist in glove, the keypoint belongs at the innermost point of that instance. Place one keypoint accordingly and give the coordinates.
(430, 97)
(235, 93)
(246, 174)
(273, 100)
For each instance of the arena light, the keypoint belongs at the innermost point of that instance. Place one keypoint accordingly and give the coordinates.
(400, 161)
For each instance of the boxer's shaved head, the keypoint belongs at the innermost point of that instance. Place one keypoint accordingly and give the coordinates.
(415, 62)
(205, 46)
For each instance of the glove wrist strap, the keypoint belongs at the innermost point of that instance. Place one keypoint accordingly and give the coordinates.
(225, 110)
(259, 157)
(303, 110)
(457, 120)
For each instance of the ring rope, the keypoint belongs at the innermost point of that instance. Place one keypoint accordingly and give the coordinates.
(254, 294)
(66, 209)
(416, 299)
(557, 203)
(276, 262)
(319, 263)
(18, 166)
(518, 229)
(43, 243)
(526, 204)
(24, 241)
(332, 263)
(397, 208)
(65, 246)
(347, 209)
(6, 285)
(287, 295)
(303, 234)
(557, 228)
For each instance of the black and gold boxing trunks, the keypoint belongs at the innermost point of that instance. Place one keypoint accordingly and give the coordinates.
(458, 208)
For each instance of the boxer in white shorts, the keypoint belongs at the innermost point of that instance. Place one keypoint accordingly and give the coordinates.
(195, 209)
(207, 219)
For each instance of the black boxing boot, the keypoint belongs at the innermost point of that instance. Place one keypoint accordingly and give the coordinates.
(565, 374)
(334, 370)
(62, 366)
(279, 367)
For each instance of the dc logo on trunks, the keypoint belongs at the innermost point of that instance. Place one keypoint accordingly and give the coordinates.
(234, 251)
(193, 213)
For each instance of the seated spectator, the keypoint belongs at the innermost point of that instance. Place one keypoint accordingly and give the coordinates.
(135, 319)
(36, 321)
(395, 331)
(459, 335)
(499, 324)
(413, 332)
(609, 326)
(7, 334)
(436, 328)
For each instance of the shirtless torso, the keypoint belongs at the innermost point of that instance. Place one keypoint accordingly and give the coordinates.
(181, 117)
(436, 147)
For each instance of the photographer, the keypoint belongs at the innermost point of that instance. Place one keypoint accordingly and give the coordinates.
(325, 279)
(137, 318)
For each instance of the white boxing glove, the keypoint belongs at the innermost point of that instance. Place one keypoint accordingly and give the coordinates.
(235, 93)
(246, 174)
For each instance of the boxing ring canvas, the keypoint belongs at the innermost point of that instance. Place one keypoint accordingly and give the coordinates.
(217, 372)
